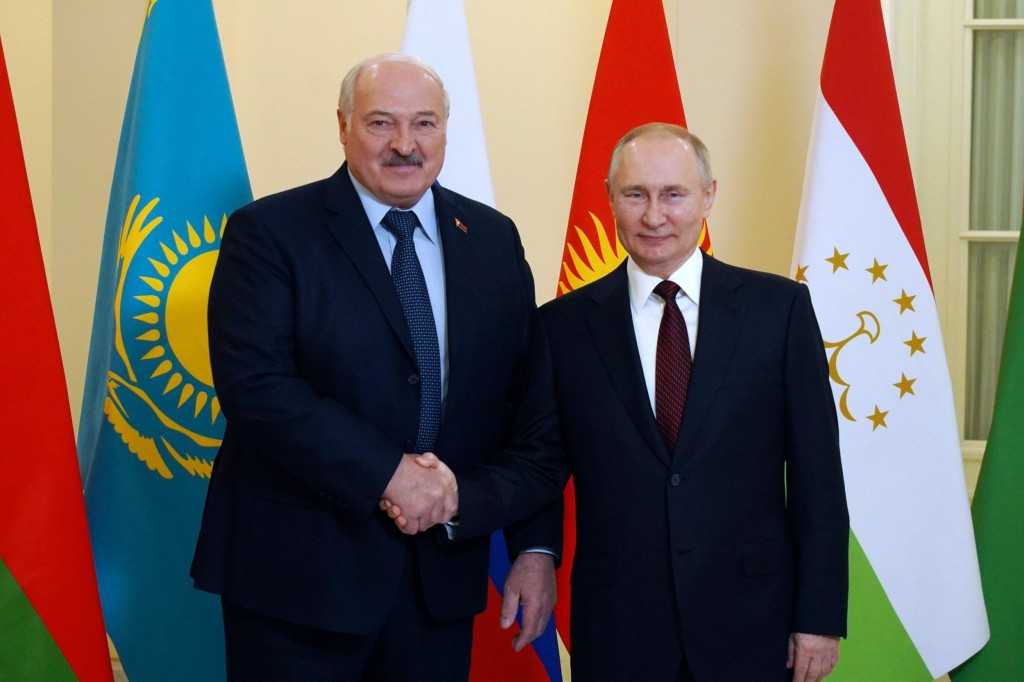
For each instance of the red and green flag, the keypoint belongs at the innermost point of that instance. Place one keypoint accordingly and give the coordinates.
(51, 627)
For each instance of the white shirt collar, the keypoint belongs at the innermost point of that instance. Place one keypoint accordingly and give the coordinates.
(376, 210)
(641, 284)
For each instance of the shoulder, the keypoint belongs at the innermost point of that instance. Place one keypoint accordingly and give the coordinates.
(288, 201)
(467, 209)
(753, 282)
(609, 288)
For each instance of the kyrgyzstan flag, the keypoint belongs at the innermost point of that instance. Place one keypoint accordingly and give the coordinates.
(916, 609)
(49, 605)
(635, 84)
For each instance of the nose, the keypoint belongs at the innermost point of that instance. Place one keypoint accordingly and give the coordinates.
(653, 214)
(403, 142)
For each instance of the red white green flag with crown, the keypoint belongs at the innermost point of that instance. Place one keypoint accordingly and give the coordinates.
(916, 608)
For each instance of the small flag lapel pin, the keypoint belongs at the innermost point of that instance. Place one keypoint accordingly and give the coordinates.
(461, 225)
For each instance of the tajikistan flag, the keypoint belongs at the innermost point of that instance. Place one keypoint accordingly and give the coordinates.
(916, 608)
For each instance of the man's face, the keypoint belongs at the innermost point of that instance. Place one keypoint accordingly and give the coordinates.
(395, 139)
(658, 202)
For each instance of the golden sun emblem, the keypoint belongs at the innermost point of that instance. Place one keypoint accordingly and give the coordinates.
(599, 260)
(161, 399)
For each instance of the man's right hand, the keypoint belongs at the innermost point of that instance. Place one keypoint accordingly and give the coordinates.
(421, 494)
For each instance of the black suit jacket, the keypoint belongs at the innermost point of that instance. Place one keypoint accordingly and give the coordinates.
(728, 544)
(315, 372)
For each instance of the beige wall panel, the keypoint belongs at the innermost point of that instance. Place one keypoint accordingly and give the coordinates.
(749, 77)
(25, 28)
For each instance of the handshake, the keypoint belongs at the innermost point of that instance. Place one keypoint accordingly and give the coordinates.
(421, 494)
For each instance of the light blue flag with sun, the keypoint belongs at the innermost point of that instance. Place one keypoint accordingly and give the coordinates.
(151, 423)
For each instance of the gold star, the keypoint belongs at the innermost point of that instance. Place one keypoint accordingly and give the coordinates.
(877, 272)
(916, 343)
(838, 260)
(801, 273)
(905, 385)
(878, 419)
(905, 302)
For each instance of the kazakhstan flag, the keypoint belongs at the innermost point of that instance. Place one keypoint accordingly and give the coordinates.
(151, 423)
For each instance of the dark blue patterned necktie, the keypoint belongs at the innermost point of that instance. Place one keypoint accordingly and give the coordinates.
(412, 291)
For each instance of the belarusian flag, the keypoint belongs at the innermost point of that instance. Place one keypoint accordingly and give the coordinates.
(436, 32)
(998, 513)
(635, 84)
(50, 622)
(916, 609)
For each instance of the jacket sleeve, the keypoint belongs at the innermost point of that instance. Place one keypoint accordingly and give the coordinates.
(265, 398)
(816, 498)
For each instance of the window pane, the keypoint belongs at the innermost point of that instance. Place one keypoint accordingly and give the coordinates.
(999, 9)
(991, 271)
(997, 135)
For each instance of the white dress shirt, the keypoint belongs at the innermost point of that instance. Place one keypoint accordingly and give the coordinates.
(647, 307)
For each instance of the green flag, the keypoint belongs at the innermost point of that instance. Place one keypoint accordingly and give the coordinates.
(998, 514)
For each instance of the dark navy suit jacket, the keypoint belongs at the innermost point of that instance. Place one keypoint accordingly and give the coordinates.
(315, 372)
(728, 544)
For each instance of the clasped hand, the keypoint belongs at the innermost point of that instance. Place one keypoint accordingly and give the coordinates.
(422, 493)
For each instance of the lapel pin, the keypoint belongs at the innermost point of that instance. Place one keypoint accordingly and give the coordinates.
(461, 225)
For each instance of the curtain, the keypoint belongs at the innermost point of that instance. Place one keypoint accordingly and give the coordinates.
(996, 199)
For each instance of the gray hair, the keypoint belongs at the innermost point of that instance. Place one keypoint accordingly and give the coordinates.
(666, 130)
(346, 98)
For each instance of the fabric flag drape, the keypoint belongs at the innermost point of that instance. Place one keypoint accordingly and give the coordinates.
(49, 606)
(998, 514)
(436, 32)
(151, 422)
(636, 41)
(916, 609)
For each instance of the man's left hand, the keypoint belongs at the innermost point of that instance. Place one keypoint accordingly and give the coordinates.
(812, 657)
(530, 584)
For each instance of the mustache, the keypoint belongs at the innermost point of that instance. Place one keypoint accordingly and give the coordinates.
(399, 160)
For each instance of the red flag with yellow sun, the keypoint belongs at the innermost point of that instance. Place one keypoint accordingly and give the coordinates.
(635, 84)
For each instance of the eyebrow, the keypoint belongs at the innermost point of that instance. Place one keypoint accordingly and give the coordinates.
(382, 112)
(663, 188)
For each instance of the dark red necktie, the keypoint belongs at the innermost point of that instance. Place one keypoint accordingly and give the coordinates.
(672, 367)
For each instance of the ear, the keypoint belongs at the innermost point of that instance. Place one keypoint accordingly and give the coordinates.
(709, 197)
(342, 127)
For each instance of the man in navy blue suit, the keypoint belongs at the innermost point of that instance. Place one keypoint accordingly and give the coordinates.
(697, 419)
(354, 323)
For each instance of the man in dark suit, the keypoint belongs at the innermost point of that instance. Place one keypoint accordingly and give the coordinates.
(699, 425)
(333, 373)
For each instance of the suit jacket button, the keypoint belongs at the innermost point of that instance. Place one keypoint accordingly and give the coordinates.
(675, 480)
(414, 379)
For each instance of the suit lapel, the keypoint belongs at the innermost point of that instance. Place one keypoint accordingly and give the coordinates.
(611, 327)
(465, 297)
(349, 225)
(717, 330)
